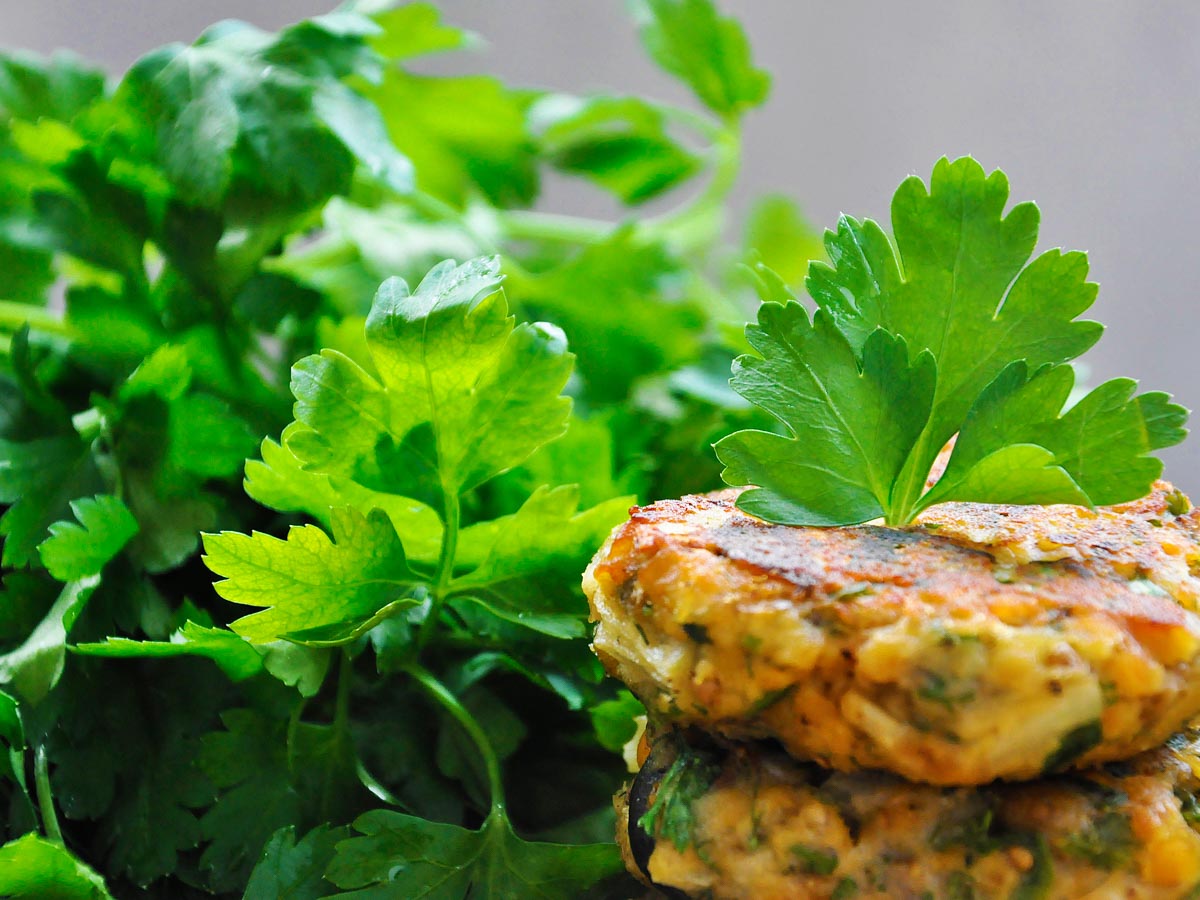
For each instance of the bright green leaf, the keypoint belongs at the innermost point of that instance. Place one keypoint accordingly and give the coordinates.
(779, 236)
(546, 533)
(465, 395)
(462, 134)
(708, 51)
(280, 482)
(310, 580)
(38, 869)
(75, 551)
(851, 428)
(614, 720)
(620, 143)
(236, 657)
(415, 29)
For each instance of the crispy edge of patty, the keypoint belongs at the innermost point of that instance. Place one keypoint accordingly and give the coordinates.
(765, 826)
(925, 650)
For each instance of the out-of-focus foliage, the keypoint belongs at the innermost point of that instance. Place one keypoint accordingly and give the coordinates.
(399, 485)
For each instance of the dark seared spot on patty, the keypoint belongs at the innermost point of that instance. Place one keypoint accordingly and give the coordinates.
(806, 557)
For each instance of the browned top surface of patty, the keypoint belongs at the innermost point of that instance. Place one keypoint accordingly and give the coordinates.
(958, 556)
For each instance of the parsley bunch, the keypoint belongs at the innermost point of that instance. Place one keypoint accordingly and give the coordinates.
(226, 311)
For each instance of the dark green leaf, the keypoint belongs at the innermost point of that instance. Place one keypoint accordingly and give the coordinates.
(671, 816)
(968, 293)
(57, 87)
(1097, 452)
(248, 764)
(125, 752)
(39, 479)
(294, 870)
(402, 856)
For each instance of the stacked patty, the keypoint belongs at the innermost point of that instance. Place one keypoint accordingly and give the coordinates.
(910, 669)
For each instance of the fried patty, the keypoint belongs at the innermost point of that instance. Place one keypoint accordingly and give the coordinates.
(982, 642)
(751, 822)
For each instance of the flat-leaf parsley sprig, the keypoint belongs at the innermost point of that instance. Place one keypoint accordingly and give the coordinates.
(946, 328)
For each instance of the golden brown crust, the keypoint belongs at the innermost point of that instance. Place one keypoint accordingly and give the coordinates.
(765, 827)
(976, 644)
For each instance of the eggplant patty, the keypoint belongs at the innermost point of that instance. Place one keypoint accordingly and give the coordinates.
(751, 822)
(981, 642)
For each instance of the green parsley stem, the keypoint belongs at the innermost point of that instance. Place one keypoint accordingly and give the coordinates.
(45, 799)
(439, 210)
(709, 127)
(341, 705)
(687, 226)
(445, 568)
(89, 424)
(727, 148)
(470, 725)
(543, 226)
(13, 315)
(907, 495)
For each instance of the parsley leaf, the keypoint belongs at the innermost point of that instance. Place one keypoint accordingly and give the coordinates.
(444, 417)
(549, 520)
(400, 855)
(34, 867)
(34, 667)
(707, 51)
(280, 481)
(625, 309)
(296, 666)
(39, 478)
(247, 763)
(295, 869)
(855, 425)
(77, 551)
(59, 86)
(778, 235)
(620, 143)
(243, 101)
(463, 134)
(310, 580)
(971, 339)
(670, 816)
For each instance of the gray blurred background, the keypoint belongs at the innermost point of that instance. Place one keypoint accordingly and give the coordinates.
(1092, 107)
